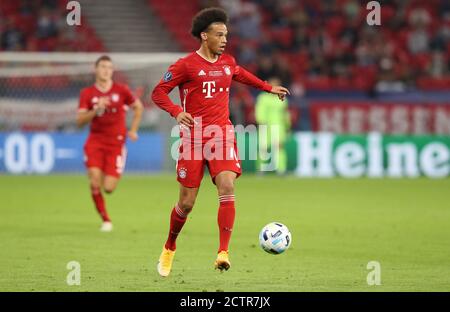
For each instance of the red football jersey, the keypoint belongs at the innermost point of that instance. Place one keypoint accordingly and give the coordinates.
(204, 87)
(108, 127)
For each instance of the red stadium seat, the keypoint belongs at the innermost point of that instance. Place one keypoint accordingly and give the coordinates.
(433, 84)
(282, 36)
(321, 83)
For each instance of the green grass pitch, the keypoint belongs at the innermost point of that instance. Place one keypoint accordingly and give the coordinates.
(337, 226)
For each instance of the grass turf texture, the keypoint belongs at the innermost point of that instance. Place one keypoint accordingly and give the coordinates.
(337, 226)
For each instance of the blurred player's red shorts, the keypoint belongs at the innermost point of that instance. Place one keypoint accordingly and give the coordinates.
(110, 159)
(190, 170)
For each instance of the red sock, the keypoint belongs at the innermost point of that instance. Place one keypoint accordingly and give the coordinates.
(177, 220)
(97, 197)
(225, 219)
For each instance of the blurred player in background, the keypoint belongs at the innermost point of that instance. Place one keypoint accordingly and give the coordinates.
(204, 78)
(104, 106)
(274, 114)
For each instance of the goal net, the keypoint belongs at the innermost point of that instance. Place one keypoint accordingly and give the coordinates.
(40, 91)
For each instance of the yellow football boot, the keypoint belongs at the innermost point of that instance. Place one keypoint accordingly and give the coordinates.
(165, 262)
(222, 261)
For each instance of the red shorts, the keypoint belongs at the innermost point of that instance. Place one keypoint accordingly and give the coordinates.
(110, 159)
(190, 169)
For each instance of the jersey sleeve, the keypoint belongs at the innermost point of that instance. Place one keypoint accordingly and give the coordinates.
(243, 76)
(129, 98)
(84, 103)
(175, 76)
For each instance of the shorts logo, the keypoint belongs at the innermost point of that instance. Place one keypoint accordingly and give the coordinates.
(227, 70)
(167, 76)
(182, 172)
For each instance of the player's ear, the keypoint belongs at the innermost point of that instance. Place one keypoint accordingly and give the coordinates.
(204, 36)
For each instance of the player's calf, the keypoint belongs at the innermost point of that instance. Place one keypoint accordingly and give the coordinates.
(226, 214)
(99, 202)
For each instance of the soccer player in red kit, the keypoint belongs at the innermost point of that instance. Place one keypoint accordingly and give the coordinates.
(104, 106)
(204, 78)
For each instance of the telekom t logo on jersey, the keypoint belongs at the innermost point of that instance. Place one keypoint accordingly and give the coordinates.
(210, 87)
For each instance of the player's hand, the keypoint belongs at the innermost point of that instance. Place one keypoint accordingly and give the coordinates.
(133, 136)
(103, 102)
(280, 91)
(100, 107)
(186, 119)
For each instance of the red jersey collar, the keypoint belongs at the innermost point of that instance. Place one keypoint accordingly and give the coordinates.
(205, 60)
(104, 92)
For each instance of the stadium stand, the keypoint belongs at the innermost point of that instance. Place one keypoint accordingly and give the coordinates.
(327, 45)
(40, 26)
(319, 49)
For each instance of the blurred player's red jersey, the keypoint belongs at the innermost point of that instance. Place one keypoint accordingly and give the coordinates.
(204, 87)
(108, 128)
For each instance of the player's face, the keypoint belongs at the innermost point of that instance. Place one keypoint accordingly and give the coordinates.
(217, 38)
(104, 70)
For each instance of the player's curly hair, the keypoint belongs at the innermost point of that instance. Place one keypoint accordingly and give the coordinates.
(206, 17)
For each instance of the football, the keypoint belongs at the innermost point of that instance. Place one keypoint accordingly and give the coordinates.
(275, 238)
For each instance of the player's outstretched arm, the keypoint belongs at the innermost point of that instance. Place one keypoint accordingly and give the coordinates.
(138, 108)
(243, 76)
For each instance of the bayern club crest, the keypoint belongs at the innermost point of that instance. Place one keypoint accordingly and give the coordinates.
(182, 172)
(115, 97)
(227, 70)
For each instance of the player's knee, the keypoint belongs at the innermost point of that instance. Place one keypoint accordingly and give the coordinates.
(95, 187)
(95, 181)
(109, 189)
(186, 205)
(226, 188)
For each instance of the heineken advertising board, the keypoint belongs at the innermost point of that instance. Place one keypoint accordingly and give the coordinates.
(372, 155)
